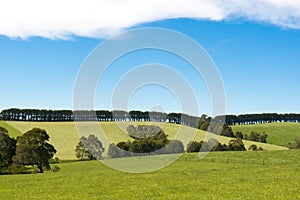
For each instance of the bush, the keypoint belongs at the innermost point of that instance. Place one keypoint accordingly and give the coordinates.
(258, 137)
(296, 144)
(252, 147)
(55, 169)
(148, 140)
(54, 160)
(236, 145)
(211, 145)
(174, 146)
(193, 146)
(239, 135)
(17, 169)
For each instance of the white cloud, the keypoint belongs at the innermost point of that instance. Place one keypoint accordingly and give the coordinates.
(100, 18)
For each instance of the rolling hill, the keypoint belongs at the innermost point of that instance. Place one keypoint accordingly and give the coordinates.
(64, 135)
(278, 133)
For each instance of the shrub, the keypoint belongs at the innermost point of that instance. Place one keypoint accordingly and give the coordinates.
(236, 145)
(17, 169)
(193, 146)
(252, 147)
(55, 169)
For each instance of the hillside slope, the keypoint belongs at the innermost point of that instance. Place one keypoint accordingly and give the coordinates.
(64, 135)
(278, 133)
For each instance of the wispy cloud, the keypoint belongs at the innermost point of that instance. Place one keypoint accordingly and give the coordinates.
(59, 19)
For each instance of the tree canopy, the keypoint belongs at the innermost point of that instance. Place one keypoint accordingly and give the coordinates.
(7, 149)
(89, 148)
(148, 140)
(33, 149)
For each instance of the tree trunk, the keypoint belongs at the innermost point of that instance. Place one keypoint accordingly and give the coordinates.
(40, 168)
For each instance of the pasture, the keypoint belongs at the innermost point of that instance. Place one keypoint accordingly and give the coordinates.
(187, 178)
(65, 135)
(278, 133)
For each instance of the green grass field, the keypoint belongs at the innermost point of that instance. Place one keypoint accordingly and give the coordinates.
(219, 175)
(64, 135)
(278, 133)
(187, 178)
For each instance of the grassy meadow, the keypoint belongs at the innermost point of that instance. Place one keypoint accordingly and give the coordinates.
(64, 135)
(218, 175)
(187, 178)
(278, 133)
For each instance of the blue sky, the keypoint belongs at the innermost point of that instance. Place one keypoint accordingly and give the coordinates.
(258, 61)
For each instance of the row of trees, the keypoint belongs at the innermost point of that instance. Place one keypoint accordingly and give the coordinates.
(261, 118)
(119, 115)
(30, 149)
(99, 115)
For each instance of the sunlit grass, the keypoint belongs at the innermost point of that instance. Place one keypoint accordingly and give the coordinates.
(187, 178)
(64, 135)
(278, 133)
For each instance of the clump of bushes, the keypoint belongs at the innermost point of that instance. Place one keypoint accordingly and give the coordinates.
(296, 144)
(55, 169)
(214, 145)
(148, 140)
(253, 147)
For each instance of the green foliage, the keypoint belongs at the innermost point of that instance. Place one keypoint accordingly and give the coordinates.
(64, 135)
(55, 168)
(172, 147)
(217, 128)
(115, 152)
(239, 134)
(148, 140)
(278, 133)
(211, 145)
(81, 151)
(227, 131)
(253, 147)
(193, 146)
(204, 122)
(89, 148)
(17, 169)
(143, 131)
(7, 149)
(236, 145)
(54, 160)
(258, 137)
(296, 144)
(33, 149)
(3, 130)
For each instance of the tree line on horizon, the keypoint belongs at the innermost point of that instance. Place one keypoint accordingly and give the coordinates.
(15, 114)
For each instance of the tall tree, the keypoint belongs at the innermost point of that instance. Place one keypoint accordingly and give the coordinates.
(7, 148)
(81, 152)
(89, 148)
(33, 149)
(94, 146)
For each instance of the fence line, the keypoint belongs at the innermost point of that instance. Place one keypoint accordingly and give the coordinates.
(213, 159)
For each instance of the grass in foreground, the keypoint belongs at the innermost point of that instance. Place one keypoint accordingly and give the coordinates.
(188, 179)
